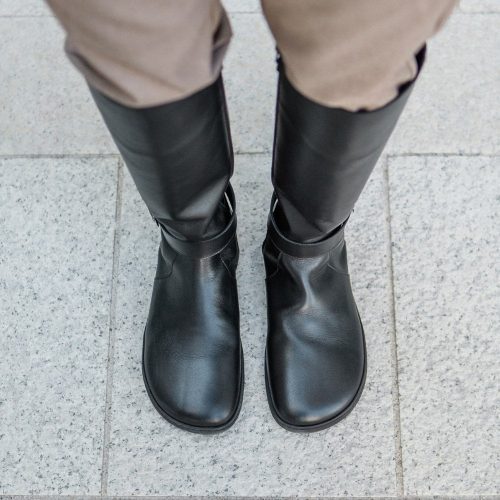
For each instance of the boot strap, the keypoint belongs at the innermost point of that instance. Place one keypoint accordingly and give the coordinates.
(296, 249)
(200, 249)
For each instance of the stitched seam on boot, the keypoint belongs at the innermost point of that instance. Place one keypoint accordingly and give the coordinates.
(165, 276)
(337, 271)
(233, 276)
(275, 272)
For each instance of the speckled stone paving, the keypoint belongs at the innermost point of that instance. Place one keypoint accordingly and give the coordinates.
(78, 254)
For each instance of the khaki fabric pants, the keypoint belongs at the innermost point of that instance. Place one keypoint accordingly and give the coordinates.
(352, 54)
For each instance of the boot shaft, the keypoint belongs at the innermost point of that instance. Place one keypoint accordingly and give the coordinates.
(324, 156)
(179, 155)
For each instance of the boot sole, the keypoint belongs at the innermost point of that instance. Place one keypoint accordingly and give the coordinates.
(327, 423)
(194, 428)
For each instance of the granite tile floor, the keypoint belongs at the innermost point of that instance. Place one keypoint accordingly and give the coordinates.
(77, 257)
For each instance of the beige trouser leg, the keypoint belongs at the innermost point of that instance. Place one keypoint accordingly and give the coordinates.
(344, 53)
(145, 52)
(352, 54)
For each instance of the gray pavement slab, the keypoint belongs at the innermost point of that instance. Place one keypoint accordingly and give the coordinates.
(56, 254)
(255, 457)
(445, 244)
(46, 107)
(452, 109)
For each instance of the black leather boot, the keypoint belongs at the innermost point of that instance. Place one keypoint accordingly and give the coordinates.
(316, 355)
(181, 159)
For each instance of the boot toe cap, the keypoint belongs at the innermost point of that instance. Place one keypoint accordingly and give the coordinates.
(198, 403)
(303, 413)
(313, 397)
(207, 417)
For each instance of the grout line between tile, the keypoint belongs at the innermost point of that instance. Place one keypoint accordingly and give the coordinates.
(25, 16)
(479, 12)
(162, 497)
(59, 155)
(446, 155)
(264, 152)
(243, 153)
(398, 449)
(463, 10)
(48, 15)
(460, 10)
(111, 338)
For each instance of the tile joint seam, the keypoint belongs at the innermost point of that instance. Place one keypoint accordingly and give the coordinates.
(237, 153)
(489, 496)
(398, 448)
(111, 332)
